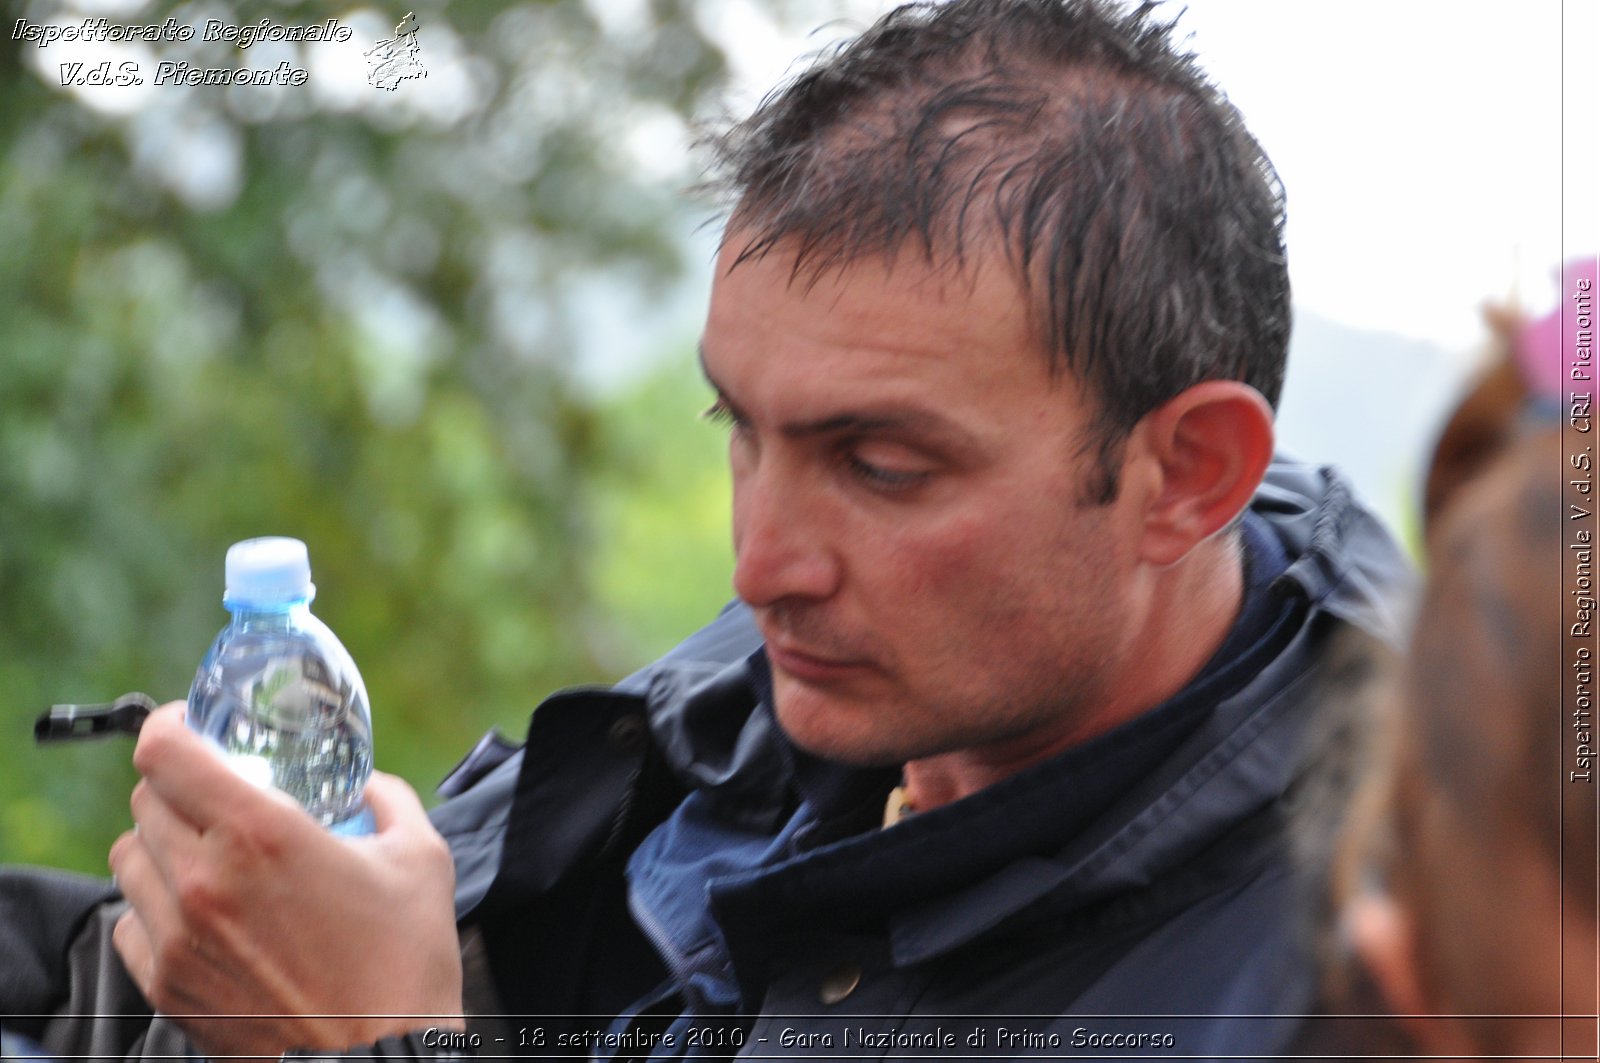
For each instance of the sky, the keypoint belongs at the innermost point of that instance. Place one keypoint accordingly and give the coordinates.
(1421, 142)
(1438, 157)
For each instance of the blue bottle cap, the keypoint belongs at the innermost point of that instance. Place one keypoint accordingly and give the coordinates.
(268, 571)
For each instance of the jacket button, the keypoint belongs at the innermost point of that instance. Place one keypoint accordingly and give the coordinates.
(627, 734)
(839, 984)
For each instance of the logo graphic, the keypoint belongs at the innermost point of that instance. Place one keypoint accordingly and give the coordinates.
(393, 61)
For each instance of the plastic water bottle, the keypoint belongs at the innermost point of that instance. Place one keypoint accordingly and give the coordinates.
(279, 694)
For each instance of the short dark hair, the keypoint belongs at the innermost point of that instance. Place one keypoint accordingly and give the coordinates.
(1145, 222)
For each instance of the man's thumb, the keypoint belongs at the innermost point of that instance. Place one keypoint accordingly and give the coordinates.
(393, 802)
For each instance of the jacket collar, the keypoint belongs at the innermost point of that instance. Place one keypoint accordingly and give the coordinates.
(1242, 758)
(1343, 560)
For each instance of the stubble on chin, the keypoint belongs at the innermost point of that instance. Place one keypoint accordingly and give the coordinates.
(836, 727)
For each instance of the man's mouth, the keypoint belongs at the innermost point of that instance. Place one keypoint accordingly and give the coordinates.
(809, 665)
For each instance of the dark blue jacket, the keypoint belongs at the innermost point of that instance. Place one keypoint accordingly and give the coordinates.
(1168, 916)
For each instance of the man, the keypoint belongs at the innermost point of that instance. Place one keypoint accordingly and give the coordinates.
(998, 740)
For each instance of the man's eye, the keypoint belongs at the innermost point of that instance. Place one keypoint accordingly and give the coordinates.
(885, 478)
(718, 413)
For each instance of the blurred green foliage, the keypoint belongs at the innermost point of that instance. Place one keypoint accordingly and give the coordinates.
(224, 315)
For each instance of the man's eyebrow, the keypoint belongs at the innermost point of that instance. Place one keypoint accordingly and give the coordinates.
(892, 417)
(885, 419)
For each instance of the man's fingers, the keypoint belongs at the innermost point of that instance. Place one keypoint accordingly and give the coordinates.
(142, 883)
(152, 918)
(166, 837)
(132, 942)
(186, 771)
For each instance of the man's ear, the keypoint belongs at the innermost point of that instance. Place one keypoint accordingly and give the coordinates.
(1211, 445)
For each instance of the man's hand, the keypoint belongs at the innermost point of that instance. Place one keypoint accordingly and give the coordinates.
(242, 905)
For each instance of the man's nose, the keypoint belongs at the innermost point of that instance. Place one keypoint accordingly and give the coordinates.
(781, 542)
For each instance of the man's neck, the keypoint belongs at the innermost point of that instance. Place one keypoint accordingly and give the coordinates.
(1193, 607)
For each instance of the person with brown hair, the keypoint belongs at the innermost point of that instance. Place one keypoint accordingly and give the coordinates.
(1469, 874)
(1518, 390)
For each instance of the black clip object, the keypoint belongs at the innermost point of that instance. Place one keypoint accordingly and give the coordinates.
(67, 722)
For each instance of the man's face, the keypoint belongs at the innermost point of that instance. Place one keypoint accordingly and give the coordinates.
(908, 511)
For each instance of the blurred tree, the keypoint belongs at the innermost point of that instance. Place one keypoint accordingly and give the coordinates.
(663, 513)
(236, 311)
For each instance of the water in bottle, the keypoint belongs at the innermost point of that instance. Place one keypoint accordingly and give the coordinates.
(279, 694)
